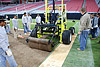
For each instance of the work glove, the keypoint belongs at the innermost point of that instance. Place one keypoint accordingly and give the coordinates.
(8, 52)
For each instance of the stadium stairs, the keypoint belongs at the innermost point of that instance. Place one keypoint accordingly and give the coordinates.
(83, 6)
(98, 3)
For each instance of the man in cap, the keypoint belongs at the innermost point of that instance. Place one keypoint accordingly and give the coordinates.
(95, 26)
(5, 51)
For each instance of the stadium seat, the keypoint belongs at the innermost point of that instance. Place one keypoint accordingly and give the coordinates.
(91, 6)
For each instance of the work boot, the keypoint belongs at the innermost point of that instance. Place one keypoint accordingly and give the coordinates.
(19, 65)
(98, 41)
(93, 38)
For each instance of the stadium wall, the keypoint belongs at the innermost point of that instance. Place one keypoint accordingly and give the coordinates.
(75, 16)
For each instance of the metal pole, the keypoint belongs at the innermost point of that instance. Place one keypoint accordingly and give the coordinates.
(26, 1)
(54, 10)
(45, 11)
(19, 1)
(22, 1)
(61, 22)
(65, 14)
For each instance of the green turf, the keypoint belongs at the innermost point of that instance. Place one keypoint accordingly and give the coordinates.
(77, 58)
(73, 59)
(20, 24)
(96, 52)
(70, 23)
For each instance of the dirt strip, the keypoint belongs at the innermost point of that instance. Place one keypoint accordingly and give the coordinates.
(56, 59)
(24, 55)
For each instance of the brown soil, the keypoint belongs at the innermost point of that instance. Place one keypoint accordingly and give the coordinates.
(24, 55)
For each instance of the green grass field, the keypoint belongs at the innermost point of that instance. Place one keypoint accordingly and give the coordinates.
(78, 58)
(20, 24)
(88, 58)
(96, 52)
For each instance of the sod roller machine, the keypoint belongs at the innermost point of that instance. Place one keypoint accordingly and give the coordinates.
(54, 27)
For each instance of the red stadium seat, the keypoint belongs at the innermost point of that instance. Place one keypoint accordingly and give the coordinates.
(23, 7)
(74, 5)
(91, 6)
(5, 0)
(57, 2)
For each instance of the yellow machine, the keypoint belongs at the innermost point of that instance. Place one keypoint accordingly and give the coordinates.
(52, 28)
(62, 24)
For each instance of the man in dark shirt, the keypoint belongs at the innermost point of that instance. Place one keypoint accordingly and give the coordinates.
(7, 24)
(98, 15)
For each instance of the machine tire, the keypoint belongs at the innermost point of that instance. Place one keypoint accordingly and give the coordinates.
(72, 29)
(33, 33)
(66, 37)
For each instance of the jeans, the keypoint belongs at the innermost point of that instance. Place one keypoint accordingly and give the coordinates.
(93, 32)
(15, 33)
(29, 25)
(2, 61)
(25, 28)
(4, 58)
(8, 25)
(83, 39)
(97, 32)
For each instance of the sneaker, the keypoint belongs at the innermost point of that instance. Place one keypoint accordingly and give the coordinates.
(19, 65)
(93, 38)
(98, 41)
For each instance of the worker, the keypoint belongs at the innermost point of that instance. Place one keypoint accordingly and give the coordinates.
(38, 19)
(24, 22)
(98, 25)
(29, 21)
(8, 24)
(5, 51)
(84, 27)
(43, 19)
(15, 26)
(95, 26)
(98, 21)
